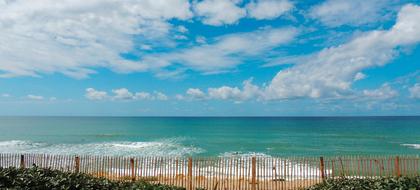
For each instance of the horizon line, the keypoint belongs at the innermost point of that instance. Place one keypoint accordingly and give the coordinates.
(213, 116)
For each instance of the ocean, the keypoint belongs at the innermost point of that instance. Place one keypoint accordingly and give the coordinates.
(211, 136)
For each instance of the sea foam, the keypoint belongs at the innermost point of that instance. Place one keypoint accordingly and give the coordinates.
(168, 147)
(415, 146)
(271, 168)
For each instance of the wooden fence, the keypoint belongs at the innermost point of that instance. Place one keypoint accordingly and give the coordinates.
(224, 173)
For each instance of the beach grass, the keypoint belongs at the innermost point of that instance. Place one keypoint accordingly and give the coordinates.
(41, 178)
(380, 183)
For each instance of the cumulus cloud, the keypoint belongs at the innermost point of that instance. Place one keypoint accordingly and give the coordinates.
(219, 12)
(268, 9)
(248, 91)
(161, 96)
(93, 94)
(75, 37)
(226, 52)
(124, 94)
(382, 93)
(224, 92)
(34, 97)
(355, 12)
(332, 71)
(143, 96)
(359, 76)
(195, 93)
(415, 91)
(222, 12)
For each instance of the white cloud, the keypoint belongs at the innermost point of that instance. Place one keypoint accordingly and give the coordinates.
(226, 52)
(219, 12)
(143, 96)
(248, 91)
(381, 98)
(5, 95)
(415, 91)
(234, 93)
(75, 37)
(161, 96)
(180, 37)
(34, 97)
(359, 76)
(182, 29)
(93, 94)
(268, 9)
(332, 71)
(40, 98)
(344, 12)
(224, 92)
(195, 93)
(223, 12)
(124, 94)
(382, 93)
(201, 39)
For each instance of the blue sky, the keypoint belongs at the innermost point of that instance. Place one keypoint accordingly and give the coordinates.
(209, 57)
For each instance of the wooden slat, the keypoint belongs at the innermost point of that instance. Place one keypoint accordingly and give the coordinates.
(234, 173)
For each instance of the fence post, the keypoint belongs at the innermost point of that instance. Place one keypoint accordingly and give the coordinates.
(397, 166)
(322, 167)
(77, 164)
(190, 174)
(22, 161)
(133, 174)
(254, 173)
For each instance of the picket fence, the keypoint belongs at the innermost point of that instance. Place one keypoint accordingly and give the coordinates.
(223, 173)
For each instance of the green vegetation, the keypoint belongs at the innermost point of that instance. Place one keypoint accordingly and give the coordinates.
(383, 183)
(38, 178)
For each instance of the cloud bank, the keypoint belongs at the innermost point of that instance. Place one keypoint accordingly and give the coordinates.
(332, 71)
(76, 37)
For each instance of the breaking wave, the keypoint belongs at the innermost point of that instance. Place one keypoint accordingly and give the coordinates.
(168, 147)
(414, 146)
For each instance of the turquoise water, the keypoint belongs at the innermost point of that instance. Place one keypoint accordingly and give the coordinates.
(174, 136)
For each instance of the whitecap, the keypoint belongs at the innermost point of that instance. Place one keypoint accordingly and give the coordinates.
(19, 145)
(13, 143)
(243, 154)
(414, 146)
(168, 147)
(137, 145)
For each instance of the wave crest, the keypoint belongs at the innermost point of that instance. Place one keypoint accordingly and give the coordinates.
(414, 146)
(169, 147)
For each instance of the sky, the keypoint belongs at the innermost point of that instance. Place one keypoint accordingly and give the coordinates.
(209, 57)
